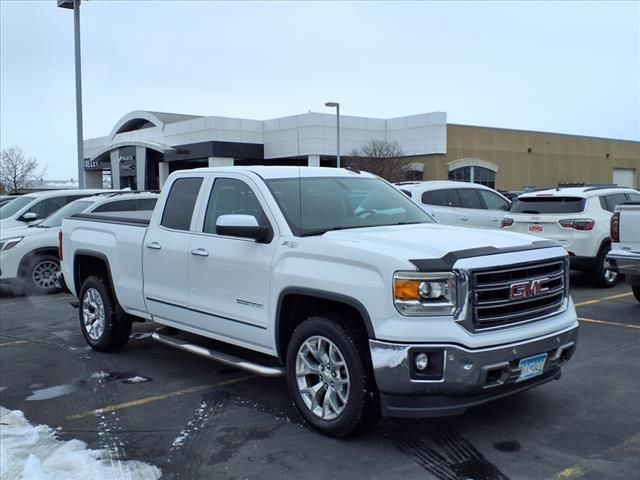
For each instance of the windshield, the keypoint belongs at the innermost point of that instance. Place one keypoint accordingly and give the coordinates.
(14, 205)
(535, 205)
(336, 203)
(55, 220)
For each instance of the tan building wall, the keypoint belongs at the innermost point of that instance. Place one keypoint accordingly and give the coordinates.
(554, 158)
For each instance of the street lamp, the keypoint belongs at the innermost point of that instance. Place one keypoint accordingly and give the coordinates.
(75, 6)
(337, 107)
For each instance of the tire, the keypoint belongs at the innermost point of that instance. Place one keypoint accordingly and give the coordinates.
(604, 277)
(345, 398)
(636, 291)
(39, 275)
(105, 326)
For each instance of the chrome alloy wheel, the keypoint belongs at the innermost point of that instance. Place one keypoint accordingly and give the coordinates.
(44, 275)
(322, 377)
(93, 314)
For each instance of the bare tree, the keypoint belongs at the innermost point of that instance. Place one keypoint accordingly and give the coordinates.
(17, 172)
(381, 157)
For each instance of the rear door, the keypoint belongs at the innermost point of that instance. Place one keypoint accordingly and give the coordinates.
(472, 212)
(230, 277)
(165, 252)
(442, 204)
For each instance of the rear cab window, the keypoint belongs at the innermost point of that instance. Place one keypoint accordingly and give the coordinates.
(548, 204)
(181, 201)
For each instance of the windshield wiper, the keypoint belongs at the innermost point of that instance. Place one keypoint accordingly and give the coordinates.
(322, 231)
(533, 212)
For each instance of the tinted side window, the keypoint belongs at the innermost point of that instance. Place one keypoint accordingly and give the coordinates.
(180, 203)
(46, 207)
(493, 201)
(444, 198)
(130, 205)
(633, 197)
(231, 196)
(612, 200)
(470, 199)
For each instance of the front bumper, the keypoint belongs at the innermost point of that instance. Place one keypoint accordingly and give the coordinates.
(465, 377)
(625, 263)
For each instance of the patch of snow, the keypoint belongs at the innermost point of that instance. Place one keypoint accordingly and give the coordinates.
(136, 379)
(34, 453)
(100, 374)
(52, 392)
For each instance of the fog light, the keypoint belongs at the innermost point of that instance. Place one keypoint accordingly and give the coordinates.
(422, 361)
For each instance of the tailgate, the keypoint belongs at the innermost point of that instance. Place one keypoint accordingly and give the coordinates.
(545, 226)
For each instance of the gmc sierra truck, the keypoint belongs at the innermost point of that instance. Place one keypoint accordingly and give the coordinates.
(335, 279)
(624, 256)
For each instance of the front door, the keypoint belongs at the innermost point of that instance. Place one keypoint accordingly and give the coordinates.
(229, 277)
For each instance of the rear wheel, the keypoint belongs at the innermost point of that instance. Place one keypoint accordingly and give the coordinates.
(105, 326)
(604, 276)
(329, 376)
(39, 276)
(636, 291)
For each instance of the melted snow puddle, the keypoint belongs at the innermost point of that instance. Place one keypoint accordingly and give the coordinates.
(33, 452)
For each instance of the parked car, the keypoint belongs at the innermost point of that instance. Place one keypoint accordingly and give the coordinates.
(459, 203)
(334, 279)
(578, 218)
(35, 207)
(624, 256)
(29, 255)
(6, 199)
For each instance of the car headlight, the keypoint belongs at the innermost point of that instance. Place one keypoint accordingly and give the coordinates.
(425, 294)
(8, 243)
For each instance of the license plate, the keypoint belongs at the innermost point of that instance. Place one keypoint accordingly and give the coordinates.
(531, 366)
(536, 228)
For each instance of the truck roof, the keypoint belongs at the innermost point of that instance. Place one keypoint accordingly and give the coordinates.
(270, 172)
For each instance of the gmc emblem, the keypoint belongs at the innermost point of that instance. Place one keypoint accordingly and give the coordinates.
(531, 288)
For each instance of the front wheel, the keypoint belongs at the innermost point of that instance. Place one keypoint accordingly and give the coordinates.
(604, 276)
(329, 376)
(40, 275)
(636, 291)
(105, 326)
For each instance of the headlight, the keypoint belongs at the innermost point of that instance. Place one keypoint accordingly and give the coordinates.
(7, 243)
(420, 294)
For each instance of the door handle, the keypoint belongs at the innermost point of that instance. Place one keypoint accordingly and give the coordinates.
(153, 245)
(464, 219)
(199, 252)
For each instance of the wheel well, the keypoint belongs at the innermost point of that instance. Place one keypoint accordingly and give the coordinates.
(41, 251)
(294, 308)
(87, 265)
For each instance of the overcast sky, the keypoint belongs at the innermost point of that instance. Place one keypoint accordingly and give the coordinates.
(563, 67)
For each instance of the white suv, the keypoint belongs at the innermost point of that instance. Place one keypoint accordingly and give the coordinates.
(459, 203)
(578, 218)
(29, 255)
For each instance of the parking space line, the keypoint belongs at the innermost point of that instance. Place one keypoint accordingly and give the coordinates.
(618, 324)
(598, 300)
(17, 342)
(155, 398)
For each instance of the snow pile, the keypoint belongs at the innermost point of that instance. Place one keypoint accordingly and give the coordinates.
(33, 453)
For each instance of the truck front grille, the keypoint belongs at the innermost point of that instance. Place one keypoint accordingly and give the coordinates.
(507, 295)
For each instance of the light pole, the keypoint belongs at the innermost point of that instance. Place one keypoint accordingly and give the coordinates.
(337, 107)
(75, 6)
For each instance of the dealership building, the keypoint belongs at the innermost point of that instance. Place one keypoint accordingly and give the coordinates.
(144, 147)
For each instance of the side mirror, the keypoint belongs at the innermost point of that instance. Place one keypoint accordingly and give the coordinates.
(243, 226)
(28, 217)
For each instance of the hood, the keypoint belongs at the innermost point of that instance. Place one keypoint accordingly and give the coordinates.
(22, 231)
(426, 241)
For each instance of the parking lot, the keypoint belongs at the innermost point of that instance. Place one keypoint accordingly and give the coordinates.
(197, 419)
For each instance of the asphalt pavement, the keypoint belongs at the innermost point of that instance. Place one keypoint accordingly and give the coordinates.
(194, 418)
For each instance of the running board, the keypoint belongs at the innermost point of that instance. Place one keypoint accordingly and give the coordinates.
(225, 358)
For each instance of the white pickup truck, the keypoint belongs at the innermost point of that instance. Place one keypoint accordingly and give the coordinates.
(335, 279)
(624, 256)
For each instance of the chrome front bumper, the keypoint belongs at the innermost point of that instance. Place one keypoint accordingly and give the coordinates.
(461, 377)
